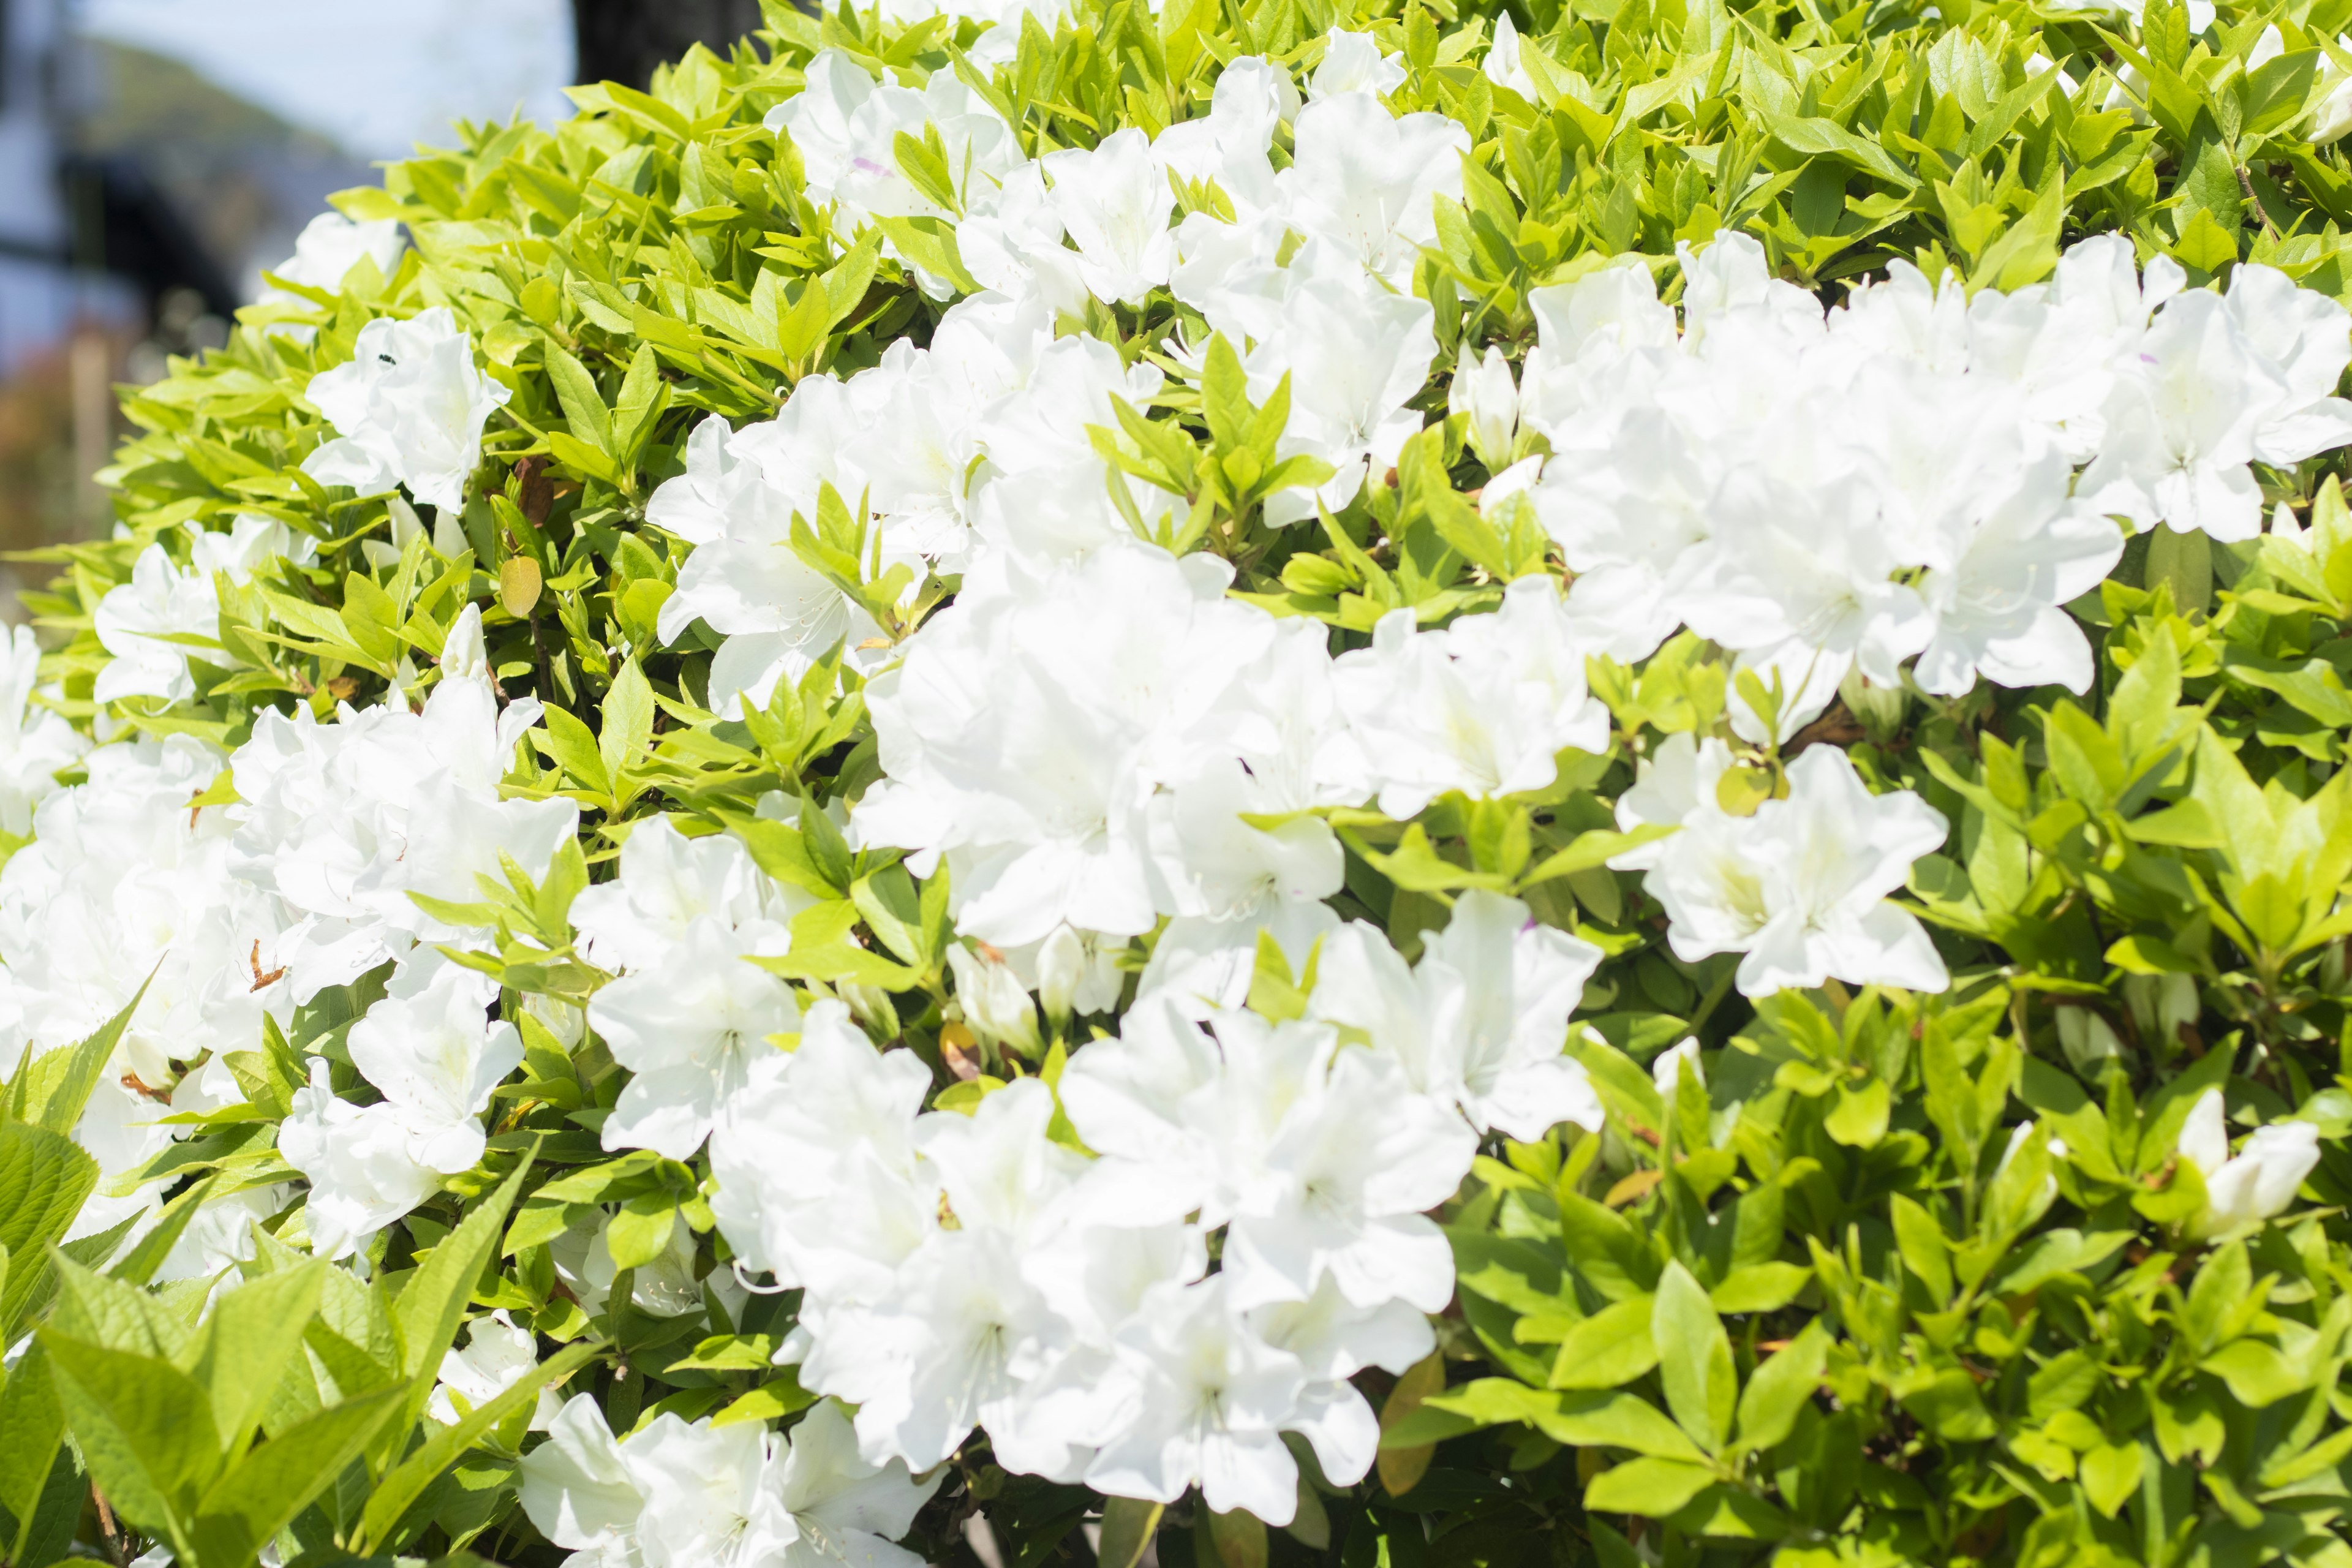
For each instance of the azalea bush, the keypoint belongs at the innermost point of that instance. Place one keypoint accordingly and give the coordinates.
(1235, 785)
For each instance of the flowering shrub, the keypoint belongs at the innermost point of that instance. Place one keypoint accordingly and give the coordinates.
(1392, 787)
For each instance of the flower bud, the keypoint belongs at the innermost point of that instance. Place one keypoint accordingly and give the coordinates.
(563, 1020)
(2333, 118)
(995, 1004)
(1487, 394)
(1879, 707)
(2259, 1181)
(1077, 973)
(871, 1006)
(1503, 66)
(405, 524)
(1666, 1070)
(463, 654)
(1061, 970)
(2018, 1136)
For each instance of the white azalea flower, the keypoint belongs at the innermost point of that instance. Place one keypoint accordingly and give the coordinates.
(1503, 67)
(2255, 1183)
(1114, 201)
(36, 743)
(429, 1048)
(361, 1164)
(1479, 1024)
(1352, 62)
(1365, 181)
(136, 620)
(408, 409)
(1800, 887)
(1483, 707)
(330, 244)
(690, 1033)
(495, 1357)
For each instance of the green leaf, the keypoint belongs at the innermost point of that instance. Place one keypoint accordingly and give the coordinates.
(1415, 866)
(2257, 1374)
(782, 852)
(45, 1533)
(146, 1429)
(2087, 764)
(1818, 137)
(1947, 1404)
(1781, 1387)
(1239, 1537)
(1609, 1348)
(892, 909)
(106, 1311)
(2276, 90)
(1693, 1359)
(1920, 1240)
(1128, 1526)
(1760, 1288)
(1401, 1465)
(930, 243)
(628, 721)
(66, 1079)
(444, 1445)
(2110, 1475)
(827, 850)
(31, 1428)
(43, 1180)
(1592, 848)
(263, 1492)
(425, 1315)
(2027, 251)
(643, 1230)
(821, 950)
(1859, 1117)
(1655, 1488)
(247, 1343)
(1583, 1420)
(778, 1397)
(583, 406)
(571, 745)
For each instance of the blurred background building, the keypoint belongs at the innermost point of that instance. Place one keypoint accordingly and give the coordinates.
(156, 155)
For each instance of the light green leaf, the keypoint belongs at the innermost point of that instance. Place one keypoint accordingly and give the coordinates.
(628, 721)
(1781, 1387)
(1760, 1288)
(51, 1090)
(263, 1492)
(1609, 1348)
(1129, 1525)
(146, 1429)
(1655, 1488)
(583, 406)
(444, 1445)
(43, 1180)
(247, 1341)
(1693, 1359)
(1575, 1419)
(425, 1315)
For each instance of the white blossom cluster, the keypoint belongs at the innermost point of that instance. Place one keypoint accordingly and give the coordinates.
(247, 909)
(1144, 1272)
(1897, 479)
(678, 1494)
(986, 1269)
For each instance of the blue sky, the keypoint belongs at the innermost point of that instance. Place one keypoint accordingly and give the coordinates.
(375, 76)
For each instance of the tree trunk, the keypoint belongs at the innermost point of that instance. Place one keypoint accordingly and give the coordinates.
(624, 40)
